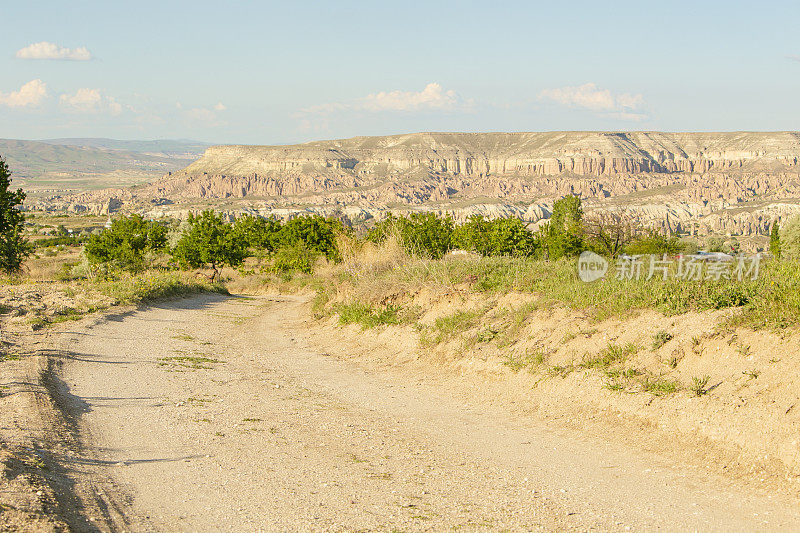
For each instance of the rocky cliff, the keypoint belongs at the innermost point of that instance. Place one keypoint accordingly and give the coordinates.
(525, 154)
(701, 176)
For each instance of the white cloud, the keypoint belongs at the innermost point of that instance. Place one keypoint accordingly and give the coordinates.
(47, 50)
(207, 115)
(90, 101)
(432, 97)
(29, 95)
(590, 96)
(202, 114)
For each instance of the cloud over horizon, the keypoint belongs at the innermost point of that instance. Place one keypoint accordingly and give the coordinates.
(591, 97)
(432, 97)
(48, 50)
(31, 94)
(90, 101)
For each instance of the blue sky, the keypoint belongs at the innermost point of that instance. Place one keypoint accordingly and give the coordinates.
(264, 73)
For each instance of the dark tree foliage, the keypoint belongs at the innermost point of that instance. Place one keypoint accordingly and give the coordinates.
(775, 240)
(563, 236)
(257, 233)
(126, 242)
(14, 248)
(655, 243)
(317, 234)
(505, 236)
(209, 241)
(421, 234)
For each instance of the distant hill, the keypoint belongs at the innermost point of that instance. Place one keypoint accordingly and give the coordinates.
(71, 165)
(735, 183)
(171, 147)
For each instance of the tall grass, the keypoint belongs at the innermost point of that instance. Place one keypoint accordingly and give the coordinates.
(150, 286)
(376, 274)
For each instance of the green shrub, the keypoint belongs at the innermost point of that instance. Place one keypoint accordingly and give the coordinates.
(715, 244)
(153, 286)
(654, 243)
(296, 258)
(209, 241)
(563, 236)
(125, 244)
(506, 236)
(366, 315)
(790, 239)
(257, 233)
(775, 240)
(661, 338)
(422, 234)
(315, 233)
(14, 248)
(699, 385)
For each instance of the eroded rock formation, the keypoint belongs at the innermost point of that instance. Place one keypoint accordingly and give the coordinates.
(690, 182)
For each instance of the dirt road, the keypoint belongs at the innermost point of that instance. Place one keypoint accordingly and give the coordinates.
(214, 413)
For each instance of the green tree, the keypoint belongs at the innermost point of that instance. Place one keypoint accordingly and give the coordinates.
(421, 233)
(563, 236)
(715, 244)
(125, 244)
(14, 248)
(314, 232)
(775, 240)
(209, 241)
(258, 233)
(790, 238)
(505, 236)
(653, 242)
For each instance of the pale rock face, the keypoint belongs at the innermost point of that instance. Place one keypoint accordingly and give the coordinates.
(735, 183)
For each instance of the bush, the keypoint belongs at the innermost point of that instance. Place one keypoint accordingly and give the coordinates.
(125, 243)
(495, 237)
(257, 233)
(14, 248)
(315, 233)
(154, 286)
(209, 241)
(790, 239)
(366, 315)
(775, 240)
(422, 234)
(563, 236)
(654, 243)
(715, 244)
(297, 258)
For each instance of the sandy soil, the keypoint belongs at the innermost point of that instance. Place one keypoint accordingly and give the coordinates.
(216, 413)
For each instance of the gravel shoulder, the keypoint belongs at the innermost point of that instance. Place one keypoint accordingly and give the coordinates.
(229, 413)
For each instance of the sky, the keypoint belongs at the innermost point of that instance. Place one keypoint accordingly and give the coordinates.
(285, 72)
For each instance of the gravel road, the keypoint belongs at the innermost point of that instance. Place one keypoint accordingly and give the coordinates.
(215, 413)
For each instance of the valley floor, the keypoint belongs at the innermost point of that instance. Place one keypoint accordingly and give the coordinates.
(241, 413)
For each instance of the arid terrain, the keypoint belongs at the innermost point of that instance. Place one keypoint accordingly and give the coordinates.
(257, 417)
(302, 376)
(690, 183)
(68, 166)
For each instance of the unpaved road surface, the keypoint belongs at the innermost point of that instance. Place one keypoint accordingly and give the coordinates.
(214, 413)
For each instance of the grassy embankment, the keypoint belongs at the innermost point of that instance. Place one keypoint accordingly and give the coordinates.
(494, 302)
(48, 291)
